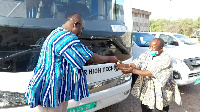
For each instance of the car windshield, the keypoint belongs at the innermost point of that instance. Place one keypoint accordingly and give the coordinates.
(60, 9)
(184, 39)
(142, 39)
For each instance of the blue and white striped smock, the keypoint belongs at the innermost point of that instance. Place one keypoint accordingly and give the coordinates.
(58, 75)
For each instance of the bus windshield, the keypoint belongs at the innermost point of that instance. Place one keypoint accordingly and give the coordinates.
(60, 9)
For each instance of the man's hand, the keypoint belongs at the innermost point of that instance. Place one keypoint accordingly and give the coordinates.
(130, 69)
(127, 70)
(121, 65)
(125, 67)
(112, 59)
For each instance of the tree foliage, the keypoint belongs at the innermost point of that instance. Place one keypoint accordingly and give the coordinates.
(186, 26)
(198, 22)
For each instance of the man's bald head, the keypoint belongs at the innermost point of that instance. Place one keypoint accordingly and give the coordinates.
(74, 17)
(160, 41)
(74, 23)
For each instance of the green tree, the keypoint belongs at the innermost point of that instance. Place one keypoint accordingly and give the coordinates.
(158, 25)
(186, 26)
(173, 27)
(198, 22)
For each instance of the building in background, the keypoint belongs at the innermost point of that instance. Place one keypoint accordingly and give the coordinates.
(140, 20)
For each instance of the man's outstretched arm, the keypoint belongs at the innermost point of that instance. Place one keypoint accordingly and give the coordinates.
(96, 59)
(122, 66)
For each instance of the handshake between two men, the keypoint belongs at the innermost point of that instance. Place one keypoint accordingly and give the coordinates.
(126, 68)
(131, 68)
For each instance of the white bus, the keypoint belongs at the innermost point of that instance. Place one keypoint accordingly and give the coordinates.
(24, 25)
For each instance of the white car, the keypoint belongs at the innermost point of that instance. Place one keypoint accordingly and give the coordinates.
(186, 59)
(173, 38)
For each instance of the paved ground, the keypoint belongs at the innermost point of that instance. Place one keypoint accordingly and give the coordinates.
(190, 98)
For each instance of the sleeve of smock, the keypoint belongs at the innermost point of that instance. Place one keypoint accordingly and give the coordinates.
(162, 69)
(76, 53)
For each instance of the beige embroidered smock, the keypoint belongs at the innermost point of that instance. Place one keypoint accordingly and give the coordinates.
(160, 90)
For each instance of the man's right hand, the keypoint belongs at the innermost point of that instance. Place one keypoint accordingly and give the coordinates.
(112, 59)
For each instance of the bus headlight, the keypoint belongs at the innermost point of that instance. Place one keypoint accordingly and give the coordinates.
(11, 99)
(123, 79)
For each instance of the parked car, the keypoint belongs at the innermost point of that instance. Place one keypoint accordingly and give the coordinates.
(173, 38)
(186, 62)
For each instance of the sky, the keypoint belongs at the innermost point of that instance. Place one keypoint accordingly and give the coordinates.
(169, 9)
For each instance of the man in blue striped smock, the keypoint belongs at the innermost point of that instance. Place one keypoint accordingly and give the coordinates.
(58, 75)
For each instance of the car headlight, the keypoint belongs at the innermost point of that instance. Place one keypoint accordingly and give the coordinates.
(176, 75)
(11, 99)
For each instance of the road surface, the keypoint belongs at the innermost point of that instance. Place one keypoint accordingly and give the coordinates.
(190, 95)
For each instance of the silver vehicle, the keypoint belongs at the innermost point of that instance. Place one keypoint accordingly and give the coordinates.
(186, 59)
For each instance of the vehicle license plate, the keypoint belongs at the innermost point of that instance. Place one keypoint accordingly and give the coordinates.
(197, 81)
(83, 108)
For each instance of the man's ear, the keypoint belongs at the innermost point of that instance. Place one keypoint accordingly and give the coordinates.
(161, 49)
(74, 25)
